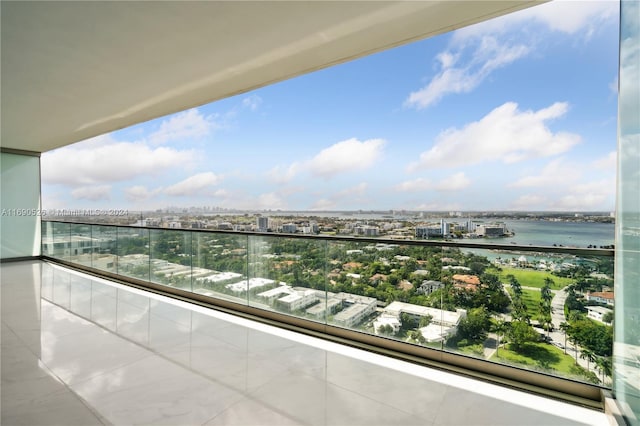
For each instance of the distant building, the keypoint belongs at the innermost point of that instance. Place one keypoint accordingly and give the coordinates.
(262, 223)
(299, 299)
(387, 320)
(495, 230)
(248, 285)
(429, 286)
(357, 308)
(289, 228)
(443, 323)
(367, 231)
(604, 297)
(322, 309)
(598, 312)
(428, 231)
(466, 282)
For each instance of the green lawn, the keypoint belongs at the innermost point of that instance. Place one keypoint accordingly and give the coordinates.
(542, 357)
(533, 278)
(531, 299)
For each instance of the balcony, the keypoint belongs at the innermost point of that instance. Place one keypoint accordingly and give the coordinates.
(80, 349)
(409, 298)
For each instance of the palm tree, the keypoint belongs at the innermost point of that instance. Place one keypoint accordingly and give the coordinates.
(500, 327)
(588, 355)
(604, 364)
(564, 326)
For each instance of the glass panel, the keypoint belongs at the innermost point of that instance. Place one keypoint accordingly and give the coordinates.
(545, 312)
(287, 275)
(171, 258)
(20, 219)
(104, 248)
(133, 253)
(47, 238)
(390, 290)
(219, 264)
(627, 290)
(60, 246)
(82, 244)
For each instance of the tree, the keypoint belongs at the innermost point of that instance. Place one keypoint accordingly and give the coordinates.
(608, 317)
(515, 285)
(520, 333)
(545, 305)
(564, 326)
(474, 326)
(588, 355)
(604, 364)
(425, 321)
(499, 327)
(407, 321)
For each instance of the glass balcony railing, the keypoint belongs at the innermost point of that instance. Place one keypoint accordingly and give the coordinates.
(542, 309)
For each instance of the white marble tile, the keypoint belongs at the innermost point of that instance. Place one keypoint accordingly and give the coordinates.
(133, 317)
(390, 387)
(156, 391)
(61, 291)
(349, 408)
(219, 361)
(170, 338)
(233, 334)
(299, 397)
(252, 412)
(459, 406)
(80, 296)
(104, 305)
(86, 351)
(61, 408)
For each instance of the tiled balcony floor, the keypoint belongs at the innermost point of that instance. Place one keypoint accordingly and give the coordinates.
(80, 350)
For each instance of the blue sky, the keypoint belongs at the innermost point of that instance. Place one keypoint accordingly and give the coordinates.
(517, 113)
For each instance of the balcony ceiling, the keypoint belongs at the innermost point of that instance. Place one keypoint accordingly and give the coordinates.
(74, 70)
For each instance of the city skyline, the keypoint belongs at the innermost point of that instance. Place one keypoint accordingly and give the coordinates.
(516, 113)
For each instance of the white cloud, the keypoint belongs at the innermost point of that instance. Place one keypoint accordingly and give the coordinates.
(199, 184)
(529, 202)
(271, 201)
(138, 193)
(357, 190)
(92, 193)
(555, 172)
(437, 206)
(186, 125)
(569, 16)
(80, 164)
(609, 162)
(323, 204)
(588, 196)
(280, 174)
(252, 102)
(415, 185)
(489, 56)
(478, 50)
(505, 134)
(346, 156)
(454, 182)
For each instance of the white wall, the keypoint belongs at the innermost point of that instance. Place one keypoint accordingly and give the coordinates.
(19, 205)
